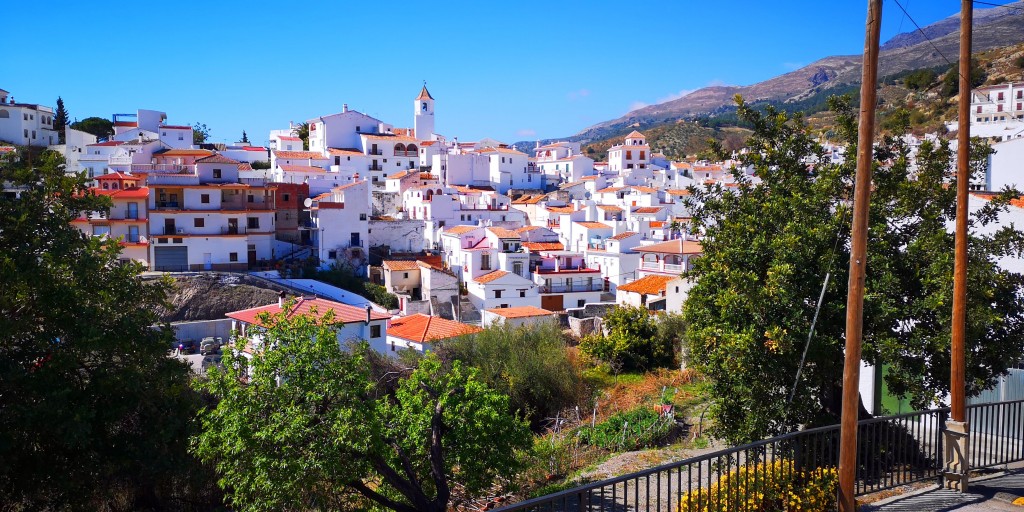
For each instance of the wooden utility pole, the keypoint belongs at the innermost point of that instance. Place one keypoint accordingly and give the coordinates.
(957, 431)
(963, 162)
(858, 261)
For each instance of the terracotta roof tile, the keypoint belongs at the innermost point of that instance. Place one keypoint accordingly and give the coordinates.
(624, 235)
(401, 265)
(459, 230)
(647, 285)
(184, 152)
(344, 152)
(677, 246)
(501, 232)
(635, 135)
(216, 159)
(594, 225)
(648, 209)
(343, 313)
(609, 208)
(678, 192)
(543, 246)
(520, 312)
(304, 155)
(491, 276)
(422, 328)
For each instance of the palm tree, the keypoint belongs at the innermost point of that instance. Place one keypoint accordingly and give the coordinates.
(302, 131)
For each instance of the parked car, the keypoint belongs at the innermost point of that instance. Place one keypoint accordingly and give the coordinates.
(187, 347)
(210, 345)
(208, 361)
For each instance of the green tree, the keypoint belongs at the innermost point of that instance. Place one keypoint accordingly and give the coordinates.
(951, 80)
(919, 80)
(93, 414)
(302, 131)
(245, 137)
(303, 426)
(200, 133)
(768, 247)
(631, 341)
(101, 128)
(527, 363)
(60, 120)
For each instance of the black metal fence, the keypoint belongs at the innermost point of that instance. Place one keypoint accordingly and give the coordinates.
(892, 451)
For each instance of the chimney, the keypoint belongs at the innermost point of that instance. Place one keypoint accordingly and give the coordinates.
(369, 310)
(280, 299)
(344, 107)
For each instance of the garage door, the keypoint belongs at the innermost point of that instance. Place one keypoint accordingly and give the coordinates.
(551, 302)
(170, 259)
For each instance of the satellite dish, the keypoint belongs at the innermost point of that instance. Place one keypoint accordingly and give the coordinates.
(586, 195)
(308, 202)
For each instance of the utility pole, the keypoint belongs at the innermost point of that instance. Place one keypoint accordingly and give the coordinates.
(858, 261)
(957, 430)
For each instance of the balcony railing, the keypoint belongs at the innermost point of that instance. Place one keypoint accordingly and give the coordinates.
(405, 153)
(596, 286)
(373, 167)
(243, 205)
(161, 168)
(660, 266)
(375, 152)
(168, 205)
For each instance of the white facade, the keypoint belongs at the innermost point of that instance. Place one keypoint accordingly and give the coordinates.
(26, 124)
(75, 145)
(634, 153)
(340, 220)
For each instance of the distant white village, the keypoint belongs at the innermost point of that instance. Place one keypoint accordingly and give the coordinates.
(462, 232)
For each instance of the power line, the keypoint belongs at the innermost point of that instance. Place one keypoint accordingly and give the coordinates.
(1007, 6)
(926, 38)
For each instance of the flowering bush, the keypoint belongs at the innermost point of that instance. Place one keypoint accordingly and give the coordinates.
(766, 487)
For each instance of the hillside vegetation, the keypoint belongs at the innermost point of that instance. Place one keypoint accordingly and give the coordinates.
(675, 140)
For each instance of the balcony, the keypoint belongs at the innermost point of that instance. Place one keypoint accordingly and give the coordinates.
(572, 287)
(244, 205)
(375, 152)
(168, 205)
(181, 231)
(660, 266)
(375, 167)
(161, 168)
(405, 153)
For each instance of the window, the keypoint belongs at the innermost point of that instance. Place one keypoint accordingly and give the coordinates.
(249, 199)
(4, 114)
(100, 230)
(375, 331)
(216, 173)
(204, 198)
(1000, 96)
(232, 256)
(34, 132)
(979, 109)
(285, 198)
(253, 222)
(133, 211)
(580, 303)
(181, 136)
(629, 155)
(497, 294)
(362, 216)
(503, 306)
(485, 262)
(522, 293)
(332, 255)
(26, 136)
(405, 275)
(643, 155)
(199, 222)
(517, 268)
(133, 234)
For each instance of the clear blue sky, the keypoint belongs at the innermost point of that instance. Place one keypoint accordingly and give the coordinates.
(510, 71)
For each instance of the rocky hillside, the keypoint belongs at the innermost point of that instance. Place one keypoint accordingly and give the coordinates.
(994, 28)
(211, 296)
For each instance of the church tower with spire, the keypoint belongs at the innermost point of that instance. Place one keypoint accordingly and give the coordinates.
(424, 115)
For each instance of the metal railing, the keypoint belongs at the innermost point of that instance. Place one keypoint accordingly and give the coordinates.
(892, 451)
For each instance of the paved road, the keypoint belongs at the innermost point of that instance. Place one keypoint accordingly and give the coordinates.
(982, 497)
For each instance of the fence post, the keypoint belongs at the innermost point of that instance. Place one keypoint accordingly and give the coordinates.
(939, 441)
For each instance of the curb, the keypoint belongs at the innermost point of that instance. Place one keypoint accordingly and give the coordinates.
(1012, 499)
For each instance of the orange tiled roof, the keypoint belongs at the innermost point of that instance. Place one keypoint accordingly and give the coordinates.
(560, 209)
(501, 232)
(543, 246)
(422, 328)
(594, 225)
(344, 152)
(678, 192)
(527, 228)
(343, 313)
(499, 150)
(424, 94)
(300, 168)
(216, 159)
(647, 285)
(610, 189)
(624, 235)
(644, 189)
(491, 276)
(647, 209)
(459, 230)
(184, 152)
(300, 154)
(657, 223)
(677, 246)
(401, 265)
(609, 208)
(635, 135)
(520, 312)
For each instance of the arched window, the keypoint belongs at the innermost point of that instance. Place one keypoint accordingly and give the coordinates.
(411, 148)
(4, 114)
(399, 148)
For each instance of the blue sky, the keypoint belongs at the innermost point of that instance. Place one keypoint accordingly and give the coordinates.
(511, 71)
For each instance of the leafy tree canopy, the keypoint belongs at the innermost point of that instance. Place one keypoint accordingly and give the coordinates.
(769, 246)
(632, 341)
(93, 414)
(302, 425)
(302, 131)
(98, 126)
(60, 120)
(200, 133)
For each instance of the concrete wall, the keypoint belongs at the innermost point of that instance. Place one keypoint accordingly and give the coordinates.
(385, 203)
(399, 235)
(584, 326)
(201, 329)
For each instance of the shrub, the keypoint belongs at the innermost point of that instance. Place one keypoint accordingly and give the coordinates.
(1019, 62)
(380, 295)
(346, 279)
(260, 164)
(528, 363)
(642, 427)
(766, 487)
(633, 341)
